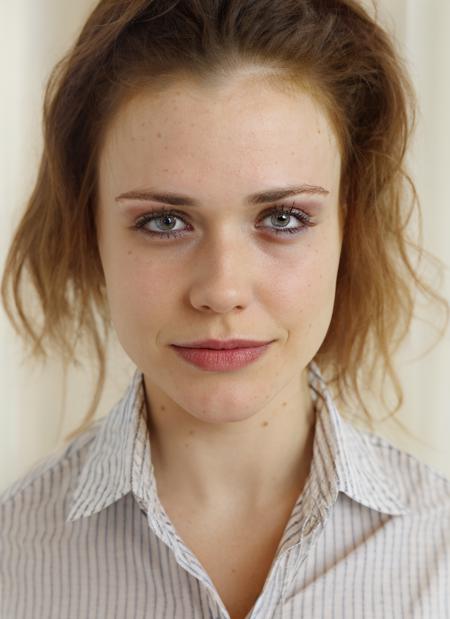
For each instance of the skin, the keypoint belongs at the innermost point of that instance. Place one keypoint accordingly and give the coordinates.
(239, 440)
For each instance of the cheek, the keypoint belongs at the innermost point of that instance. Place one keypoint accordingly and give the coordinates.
(138, 290)
(137, 286)
(303, 293)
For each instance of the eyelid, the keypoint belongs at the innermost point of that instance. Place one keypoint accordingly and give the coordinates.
(161, 211)
(309, 206)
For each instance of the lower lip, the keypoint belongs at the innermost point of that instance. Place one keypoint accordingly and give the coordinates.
(221, 360)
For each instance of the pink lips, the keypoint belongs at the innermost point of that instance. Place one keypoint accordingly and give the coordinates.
(221, 359)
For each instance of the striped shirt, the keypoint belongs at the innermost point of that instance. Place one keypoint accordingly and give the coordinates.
(84, 534)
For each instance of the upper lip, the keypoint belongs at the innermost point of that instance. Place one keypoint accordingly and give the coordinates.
(223, 344)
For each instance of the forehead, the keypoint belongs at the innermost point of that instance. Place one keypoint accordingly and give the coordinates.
(242, 128)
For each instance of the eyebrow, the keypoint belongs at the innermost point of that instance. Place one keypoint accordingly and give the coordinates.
(271, 195)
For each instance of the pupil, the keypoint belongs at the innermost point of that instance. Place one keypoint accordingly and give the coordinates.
(166, 219)
(283, 217)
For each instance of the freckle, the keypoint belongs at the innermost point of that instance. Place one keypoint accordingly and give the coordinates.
(130, 252)
(265, 423)
(158, 134)
(191, 432)
(163, 408)
(186, 444)
(284, 403)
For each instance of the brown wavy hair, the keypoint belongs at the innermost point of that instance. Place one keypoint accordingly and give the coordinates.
(333, 47)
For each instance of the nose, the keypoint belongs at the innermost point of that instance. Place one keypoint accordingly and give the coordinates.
(223, 279)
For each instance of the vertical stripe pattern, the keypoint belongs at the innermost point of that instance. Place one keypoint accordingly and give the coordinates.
(84, 534)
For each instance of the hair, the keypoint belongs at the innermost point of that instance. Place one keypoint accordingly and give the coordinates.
(332, 47)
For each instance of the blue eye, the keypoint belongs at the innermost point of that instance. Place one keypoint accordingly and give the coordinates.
(278, 214)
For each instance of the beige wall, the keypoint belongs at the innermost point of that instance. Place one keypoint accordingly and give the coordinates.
(37, 33)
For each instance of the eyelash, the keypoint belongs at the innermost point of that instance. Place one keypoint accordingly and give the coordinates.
(277, 210)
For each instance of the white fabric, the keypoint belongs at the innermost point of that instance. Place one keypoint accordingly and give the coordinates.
(86, 535)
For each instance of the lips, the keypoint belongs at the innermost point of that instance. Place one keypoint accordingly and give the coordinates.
(221, 360)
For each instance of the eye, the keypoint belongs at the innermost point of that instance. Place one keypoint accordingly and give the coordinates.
(167, 219)
(280, 218)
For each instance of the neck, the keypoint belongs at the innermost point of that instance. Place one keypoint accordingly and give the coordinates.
(245, 464)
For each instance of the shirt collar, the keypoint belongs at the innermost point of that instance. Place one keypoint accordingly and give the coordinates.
(119, 459)
(353, 463)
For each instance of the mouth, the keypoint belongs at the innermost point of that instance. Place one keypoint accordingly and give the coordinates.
(224, 344)
(221, 359)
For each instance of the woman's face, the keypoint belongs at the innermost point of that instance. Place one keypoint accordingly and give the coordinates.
(231, 272)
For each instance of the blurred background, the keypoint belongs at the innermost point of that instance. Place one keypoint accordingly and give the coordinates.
(42, 403)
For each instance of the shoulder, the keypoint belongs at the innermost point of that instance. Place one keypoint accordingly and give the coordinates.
(53, 475)
(421, 486)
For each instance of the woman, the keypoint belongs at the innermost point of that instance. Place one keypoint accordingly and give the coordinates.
(223, 182)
